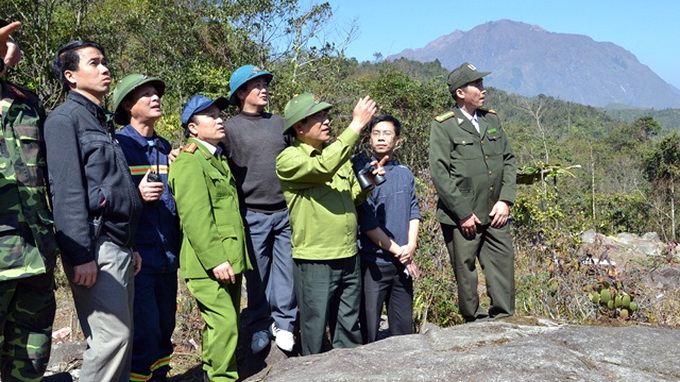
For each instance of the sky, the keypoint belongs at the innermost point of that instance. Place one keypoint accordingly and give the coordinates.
(649, 29)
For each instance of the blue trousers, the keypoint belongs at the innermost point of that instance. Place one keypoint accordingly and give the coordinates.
(154, 316)
(271, 294)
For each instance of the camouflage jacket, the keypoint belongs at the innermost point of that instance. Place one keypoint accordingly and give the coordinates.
(27, 243)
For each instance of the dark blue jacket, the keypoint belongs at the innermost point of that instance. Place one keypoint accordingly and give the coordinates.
(157, 238)
(89, 178)
(391, 206)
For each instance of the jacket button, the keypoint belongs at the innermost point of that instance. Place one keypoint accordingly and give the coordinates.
(489, 172)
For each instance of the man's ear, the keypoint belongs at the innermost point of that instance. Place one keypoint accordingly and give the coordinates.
(193, 128)
(460, 93)
(398, 141)
(70, 77)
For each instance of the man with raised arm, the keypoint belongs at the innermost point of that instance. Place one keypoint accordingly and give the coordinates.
(321, 192)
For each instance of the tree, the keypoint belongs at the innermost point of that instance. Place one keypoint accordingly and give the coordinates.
(662, 169)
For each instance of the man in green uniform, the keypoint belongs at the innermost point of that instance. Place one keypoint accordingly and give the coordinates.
(213, 254)
(473, 169)
(321, 193)
(28, 247)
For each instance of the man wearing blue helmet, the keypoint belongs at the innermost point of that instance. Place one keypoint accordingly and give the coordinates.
(254, 138)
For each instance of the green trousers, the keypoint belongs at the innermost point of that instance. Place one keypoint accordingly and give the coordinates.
(219, 306)
(328, 291)
(493, 248)
(27, 309)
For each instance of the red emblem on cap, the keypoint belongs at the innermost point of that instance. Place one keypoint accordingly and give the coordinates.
(472, 67)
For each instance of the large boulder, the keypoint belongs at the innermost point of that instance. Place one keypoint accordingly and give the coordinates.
(515, 349)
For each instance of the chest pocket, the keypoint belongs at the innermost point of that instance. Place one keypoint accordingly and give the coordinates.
(465, 148)
(494, 144)
(220, 184)
(30, 143)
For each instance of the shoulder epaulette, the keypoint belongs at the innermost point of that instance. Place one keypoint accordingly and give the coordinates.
(190, 148)
(443, 117)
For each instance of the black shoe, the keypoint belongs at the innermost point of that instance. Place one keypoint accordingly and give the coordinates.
(60, 377)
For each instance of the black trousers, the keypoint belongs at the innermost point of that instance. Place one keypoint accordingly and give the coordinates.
(386, 283)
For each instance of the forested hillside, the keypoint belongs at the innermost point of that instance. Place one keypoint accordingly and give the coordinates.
(586, 169)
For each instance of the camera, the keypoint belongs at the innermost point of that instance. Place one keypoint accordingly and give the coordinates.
(362, 169)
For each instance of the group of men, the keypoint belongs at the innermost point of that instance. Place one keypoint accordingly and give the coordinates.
(258, 195)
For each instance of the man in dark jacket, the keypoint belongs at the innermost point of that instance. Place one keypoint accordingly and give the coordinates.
(96, 210)
(137, 105)
(473, 169)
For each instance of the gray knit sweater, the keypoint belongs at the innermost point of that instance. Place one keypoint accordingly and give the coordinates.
(252, 143)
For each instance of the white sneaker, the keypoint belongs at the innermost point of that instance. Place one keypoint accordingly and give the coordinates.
(284, 339)
(260, 341)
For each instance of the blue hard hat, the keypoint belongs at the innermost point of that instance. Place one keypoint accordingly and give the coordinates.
(243, 75)
(198, 103)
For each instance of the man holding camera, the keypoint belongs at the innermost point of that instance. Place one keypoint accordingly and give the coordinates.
(321, 193)
(137, 106)
(473, 169)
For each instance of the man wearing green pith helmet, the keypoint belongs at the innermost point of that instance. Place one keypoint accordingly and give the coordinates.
(137, 106)
(321, 192)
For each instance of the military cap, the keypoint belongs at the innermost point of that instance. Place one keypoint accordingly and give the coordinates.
(242, 75)
(301, 107)
(197, 104)
(462, 75)
(126, 86)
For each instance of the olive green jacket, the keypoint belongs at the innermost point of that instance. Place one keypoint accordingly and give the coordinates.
(471, 171)
(208, 209)
(27, 243)
(321, 193)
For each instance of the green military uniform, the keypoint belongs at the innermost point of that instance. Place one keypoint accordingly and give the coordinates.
(27, 243)
(212, 233)
(321, 192)
(471, 172)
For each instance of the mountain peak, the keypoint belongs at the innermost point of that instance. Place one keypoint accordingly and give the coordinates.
(529, 60)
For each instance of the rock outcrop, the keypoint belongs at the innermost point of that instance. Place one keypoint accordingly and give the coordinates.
(515, 349)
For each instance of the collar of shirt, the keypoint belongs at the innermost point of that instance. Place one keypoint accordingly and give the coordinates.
(388, 165)
(214, 150)
(139, 139)
(472, 118)
(92, 107)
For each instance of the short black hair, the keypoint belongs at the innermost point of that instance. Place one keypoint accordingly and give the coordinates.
(386, 118)
(67, 58)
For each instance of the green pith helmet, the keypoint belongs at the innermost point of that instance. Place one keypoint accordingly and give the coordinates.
(126, 86)
(301, 107)
(462, 75)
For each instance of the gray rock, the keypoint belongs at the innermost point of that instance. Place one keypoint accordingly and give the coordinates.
(651, 236)
(627, 238)
(588, 236)
(515, 349)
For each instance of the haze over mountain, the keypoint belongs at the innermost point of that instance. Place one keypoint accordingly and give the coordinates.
(528, 60)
